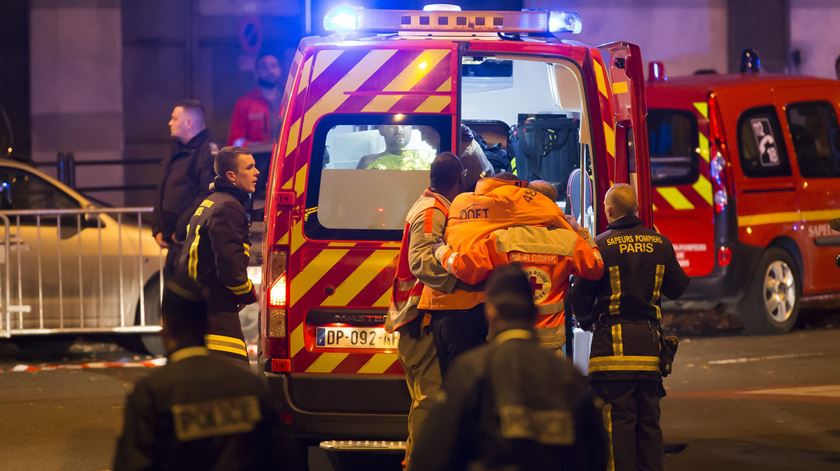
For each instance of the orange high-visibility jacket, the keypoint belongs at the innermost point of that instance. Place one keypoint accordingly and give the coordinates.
(495, 204)
(549, 256)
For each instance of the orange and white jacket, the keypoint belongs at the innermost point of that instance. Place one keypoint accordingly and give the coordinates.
(548, 255)
(495, 204)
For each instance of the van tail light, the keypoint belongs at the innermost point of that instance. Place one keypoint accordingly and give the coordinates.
(724, 256)
(719, 166)
(276, 330)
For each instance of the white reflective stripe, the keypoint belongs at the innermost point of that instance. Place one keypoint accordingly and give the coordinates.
(450, 261)
(538, 240)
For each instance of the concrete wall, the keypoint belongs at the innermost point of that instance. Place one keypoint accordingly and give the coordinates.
(814, 32)
(76, 85)
(685, 34)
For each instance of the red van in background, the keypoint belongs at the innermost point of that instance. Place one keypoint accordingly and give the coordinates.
(745, 171)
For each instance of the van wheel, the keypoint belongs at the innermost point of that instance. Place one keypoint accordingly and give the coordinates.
(771, 304)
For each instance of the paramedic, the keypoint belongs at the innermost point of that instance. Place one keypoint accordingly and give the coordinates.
(256, 115)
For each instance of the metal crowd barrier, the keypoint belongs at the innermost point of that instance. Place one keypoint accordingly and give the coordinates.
(79, 271)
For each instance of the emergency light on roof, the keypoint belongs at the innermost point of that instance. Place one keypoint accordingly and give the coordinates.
(441, 7)
(347, 18)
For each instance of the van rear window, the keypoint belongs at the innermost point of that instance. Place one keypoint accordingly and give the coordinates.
(367, 171)
(673, 147)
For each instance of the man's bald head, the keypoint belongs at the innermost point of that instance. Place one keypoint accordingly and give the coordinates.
(620, 201)
(446, 173)
(544, 187)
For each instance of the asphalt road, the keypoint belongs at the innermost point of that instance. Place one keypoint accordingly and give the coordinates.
(734, 402)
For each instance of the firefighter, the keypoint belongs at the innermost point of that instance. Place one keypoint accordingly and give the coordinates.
(417, 267)
(548, 255)
(498, 202)
(217, 248)
(512, 404)
(198, 411)
(623, 307)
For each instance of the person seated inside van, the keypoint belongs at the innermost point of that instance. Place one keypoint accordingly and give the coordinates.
(395, 156)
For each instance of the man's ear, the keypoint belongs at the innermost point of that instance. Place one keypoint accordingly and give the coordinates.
(230, 175)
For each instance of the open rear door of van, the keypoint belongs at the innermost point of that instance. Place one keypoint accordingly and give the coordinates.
(627, 82)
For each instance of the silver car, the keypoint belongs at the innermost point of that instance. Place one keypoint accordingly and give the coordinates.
(68, 266)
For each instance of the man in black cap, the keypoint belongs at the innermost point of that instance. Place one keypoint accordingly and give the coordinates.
(512, 404)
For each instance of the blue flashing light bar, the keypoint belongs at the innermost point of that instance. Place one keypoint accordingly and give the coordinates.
(439, 18)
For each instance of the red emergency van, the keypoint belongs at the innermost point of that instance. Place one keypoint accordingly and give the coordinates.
(745, 171)
(394, 87)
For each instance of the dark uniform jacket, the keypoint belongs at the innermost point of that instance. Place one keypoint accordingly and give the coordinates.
(200, 412)
(187, 174)
(624, 305)
(217, 247)
(512, 404)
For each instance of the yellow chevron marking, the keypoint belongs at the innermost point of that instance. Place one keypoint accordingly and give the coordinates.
(379, 363)
(445, 86)
(383, 300)
(361, 276)
(296, 340)
(342, 244)
(609, 138)
(294, 135)
(314, 271)
(325, 59)
(619, 87)
(703, 108)
(296, 236)
(284, 239)
(703, 187)
(433, 104)
(600, 78)
(654, 207)
(304, 74)
(704, 146)
(675, 198)
(406, 79)
(790, 216)
(363, 70)
(326, 362)
(300, 179)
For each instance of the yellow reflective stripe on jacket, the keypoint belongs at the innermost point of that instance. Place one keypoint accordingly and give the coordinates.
(657, 289)
(615, 288)
(552, 308)
(607, 411)
(624, 363)
(192, 263)
(223, 343)
(247, 249)
(533, 239)
(617, 341)
(244, 288)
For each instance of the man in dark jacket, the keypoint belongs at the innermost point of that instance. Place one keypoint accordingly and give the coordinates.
(217, 248)
(624, 309)
(187, 174)
(512, 404)
(198, 412)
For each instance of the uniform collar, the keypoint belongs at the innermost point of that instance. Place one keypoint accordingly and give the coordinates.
(433, 194)
(188, 352)
(513, 334)
(221, 184)
(625, 222)
(196, 141)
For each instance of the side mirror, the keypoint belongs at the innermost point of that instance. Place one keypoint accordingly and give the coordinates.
(91, 219)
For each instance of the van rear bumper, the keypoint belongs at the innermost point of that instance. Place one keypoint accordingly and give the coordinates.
(324, 406)
(725, 285)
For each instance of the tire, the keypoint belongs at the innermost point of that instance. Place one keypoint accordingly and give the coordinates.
(771, 304)
(150, 343)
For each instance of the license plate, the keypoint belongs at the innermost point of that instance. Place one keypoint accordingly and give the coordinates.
(355, 337)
